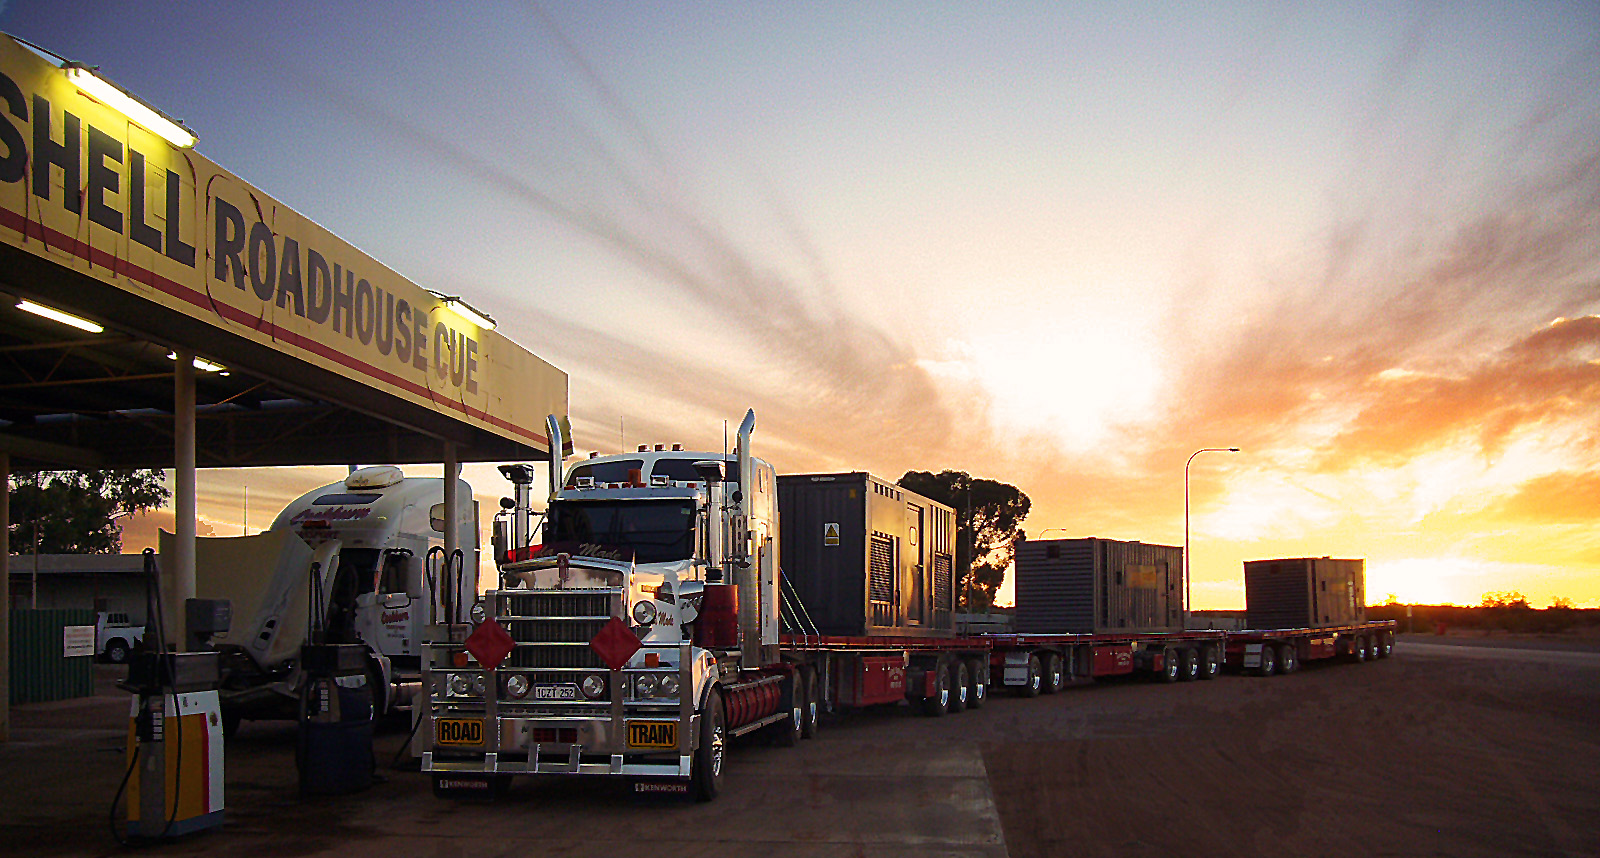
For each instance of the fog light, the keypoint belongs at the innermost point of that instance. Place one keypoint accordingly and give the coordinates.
(460, 685)
(594, 686)
(517, 686)
(669, 686)
(646, 685)
(478, 685)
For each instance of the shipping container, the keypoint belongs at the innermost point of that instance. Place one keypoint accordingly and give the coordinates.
(42, 668)
(866, 556)
(1098, 586)
(1304, 593)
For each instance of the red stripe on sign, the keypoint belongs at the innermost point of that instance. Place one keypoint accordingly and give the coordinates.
(55, 240)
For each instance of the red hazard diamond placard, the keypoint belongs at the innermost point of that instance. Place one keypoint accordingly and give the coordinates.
(616, 643)
(490, 643)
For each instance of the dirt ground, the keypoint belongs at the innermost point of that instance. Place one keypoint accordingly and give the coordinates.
(1444, 749)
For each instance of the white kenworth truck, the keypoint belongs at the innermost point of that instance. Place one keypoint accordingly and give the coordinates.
(644, 624)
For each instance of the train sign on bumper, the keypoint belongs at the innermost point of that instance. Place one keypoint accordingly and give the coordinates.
(653, 734)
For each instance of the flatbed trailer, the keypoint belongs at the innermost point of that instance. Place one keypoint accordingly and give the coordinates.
(1267, 651)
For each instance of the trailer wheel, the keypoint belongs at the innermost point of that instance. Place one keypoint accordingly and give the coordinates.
(810, 723)
(980, 684)
(939, 703)
(1055, 675)
(706, 767)
(1210, 664)
(1358, 649)
(960, 686)
(1386, 648)
(1171, 665)
(1190, 665)
(1288, 659)
(117, 651)
(1035, 677)
(1269, 660)
(787, 733)
(1372, 648)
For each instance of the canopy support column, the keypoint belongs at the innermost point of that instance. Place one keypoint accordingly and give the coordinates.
(5, 596)
(182, 573)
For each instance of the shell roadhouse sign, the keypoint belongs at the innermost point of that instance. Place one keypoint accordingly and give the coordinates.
(84, 187)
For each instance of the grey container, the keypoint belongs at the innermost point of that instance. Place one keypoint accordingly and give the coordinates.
(867, 557)
(1098, 586)
(1304, 593)
(40, 669)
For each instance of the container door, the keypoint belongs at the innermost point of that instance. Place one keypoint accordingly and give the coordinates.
(916, 604)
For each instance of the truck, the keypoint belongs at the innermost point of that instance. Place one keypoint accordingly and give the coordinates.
(669, 602)
(115, 636)
(365, 553)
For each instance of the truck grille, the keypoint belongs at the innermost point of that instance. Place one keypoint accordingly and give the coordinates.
(553, 630)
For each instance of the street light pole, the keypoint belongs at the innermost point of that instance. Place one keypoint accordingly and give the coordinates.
(1186, 522)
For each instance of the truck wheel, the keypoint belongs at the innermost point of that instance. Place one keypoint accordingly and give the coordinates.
(1055, 674)
(787, 733)
(1210, 664)
(1288, 659)
(379, 694)
(1358, 649)
(1386, 648)
(939, 703)
(1171, 665)
(1035, 678)
(117, 651)
(960, 686)
(1269, 660)
(810, 723)
(980, 685)
(1189, 669)
(706, 768)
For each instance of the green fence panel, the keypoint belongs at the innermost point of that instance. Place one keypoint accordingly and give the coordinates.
(40, 670)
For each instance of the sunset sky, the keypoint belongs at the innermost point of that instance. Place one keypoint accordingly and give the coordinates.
(1063, 245)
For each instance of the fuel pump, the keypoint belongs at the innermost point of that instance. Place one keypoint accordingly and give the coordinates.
(333, 749)
(173, 784)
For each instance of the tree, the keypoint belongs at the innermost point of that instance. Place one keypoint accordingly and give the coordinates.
(1513, 600)
(988, 515)
(1561, 603)
(75, 511)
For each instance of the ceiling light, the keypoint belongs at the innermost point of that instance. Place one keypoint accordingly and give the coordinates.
(57, 315)
(466, 311)
(200, 363)
(124, 102)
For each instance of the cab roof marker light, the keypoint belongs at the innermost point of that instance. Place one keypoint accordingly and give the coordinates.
(115, 97)
(56, 315)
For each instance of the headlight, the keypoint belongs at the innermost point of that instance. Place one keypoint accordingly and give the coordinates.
(478, 614)
(646, 686)
(517, 686)
(669, 686)
(478, 685)
(644, 612)
(460, 684)
(594, 686)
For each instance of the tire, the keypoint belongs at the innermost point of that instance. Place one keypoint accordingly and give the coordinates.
(1189, 667)
(1386, 648)
(1035, 678)
(960, 687)
(1269, 660)
(231, 721)
(1210, 663)
(1288, 659)
(1171, 665)
(980, 684)
(939, 703)
(811, 716)
(117, 651)
(705, 776)
(1055, 674)
(786, 734)
(380, 694)
(1359, 649)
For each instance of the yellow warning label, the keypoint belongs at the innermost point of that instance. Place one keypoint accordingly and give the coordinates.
(830, 533)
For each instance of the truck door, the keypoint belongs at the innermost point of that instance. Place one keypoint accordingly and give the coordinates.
(386, 613)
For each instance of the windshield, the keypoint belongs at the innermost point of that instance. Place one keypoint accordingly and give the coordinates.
(657, 531)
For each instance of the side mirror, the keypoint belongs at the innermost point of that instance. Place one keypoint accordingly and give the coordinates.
(508, 504)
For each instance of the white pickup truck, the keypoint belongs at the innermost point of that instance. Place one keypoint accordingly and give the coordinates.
(115, 637)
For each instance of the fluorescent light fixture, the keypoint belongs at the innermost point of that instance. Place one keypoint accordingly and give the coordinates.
(200, 363)
(124, 102)
(466, 311)
(57, 315)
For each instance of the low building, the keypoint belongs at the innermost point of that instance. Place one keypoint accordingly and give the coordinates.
(96, 582)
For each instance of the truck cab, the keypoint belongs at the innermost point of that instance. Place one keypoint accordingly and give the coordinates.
(643, 599)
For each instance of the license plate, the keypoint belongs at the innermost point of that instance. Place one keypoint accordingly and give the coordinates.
(459, 731)
(652, 734)
(568, 691)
